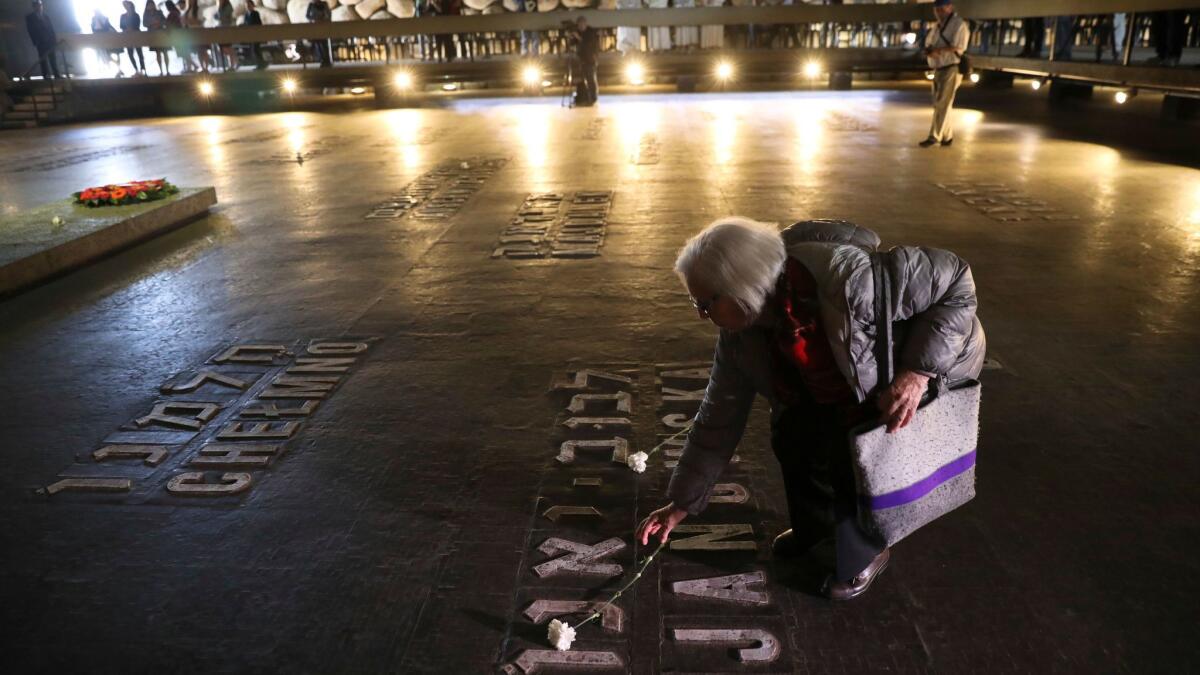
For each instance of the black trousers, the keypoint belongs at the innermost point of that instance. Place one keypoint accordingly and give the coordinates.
(818, 475)
(1035, 35)
(136, 57)
(48, 54)
(1168, 29)
(588, 89)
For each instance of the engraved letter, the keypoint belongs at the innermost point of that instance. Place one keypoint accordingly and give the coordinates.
(733, 588)
(620, 449)
(161, 414)
(273, 411)
(90, 485)
(151, 455)
(623, 399)
(234, 455)
(530, 659)
(556, 512)
(670, 394)
(192, 483)
(582, 380)
(708, 536)
(579, 558)
(308, 386)
(728, 493)
(311, 365)
(337, 348)
(767, 649)
(200, 378)
(262, 354)
(611, 616)
(256, 431)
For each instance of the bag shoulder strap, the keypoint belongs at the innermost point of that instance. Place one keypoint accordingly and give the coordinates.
(883, 318)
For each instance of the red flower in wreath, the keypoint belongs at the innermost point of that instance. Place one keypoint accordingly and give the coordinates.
(119, 193)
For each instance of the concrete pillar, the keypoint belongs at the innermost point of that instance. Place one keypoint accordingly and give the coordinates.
(841, 80)
(1061, 89)
(1180, 108)
(995, 79)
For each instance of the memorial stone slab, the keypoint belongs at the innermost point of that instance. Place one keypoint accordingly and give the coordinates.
(49, 240)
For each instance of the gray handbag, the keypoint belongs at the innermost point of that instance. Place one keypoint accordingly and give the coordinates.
(925, 470)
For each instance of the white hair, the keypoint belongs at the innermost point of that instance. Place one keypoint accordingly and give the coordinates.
(735, 256)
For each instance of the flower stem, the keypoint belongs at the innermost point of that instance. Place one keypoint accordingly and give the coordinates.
(645, 563)
(672, 437)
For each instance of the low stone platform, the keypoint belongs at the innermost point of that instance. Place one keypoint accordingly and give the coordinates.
(34, 249)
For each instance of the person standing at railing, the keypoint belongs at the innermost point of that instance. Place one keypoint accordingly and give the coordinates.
(225, 19)
(152, 20)
(1167, 31)
(318, 12)
(944, 46)
(1064, 36)
(531, 40)
(1034, 28)
(253, 18)
(101, 24)
(132, 23)
(192, 19)
(41, 32)
(174, 23)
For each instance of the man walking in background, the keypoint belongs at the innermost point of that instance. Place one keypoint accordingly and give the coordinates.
(41, 32)
(944, 46)
(319, 12)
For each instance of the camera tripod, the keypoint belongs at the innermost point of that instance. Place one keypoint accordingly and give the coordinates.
(568, 81)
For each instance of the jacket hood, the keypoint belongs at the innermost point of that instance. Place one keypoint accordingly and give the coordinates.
(832, 231)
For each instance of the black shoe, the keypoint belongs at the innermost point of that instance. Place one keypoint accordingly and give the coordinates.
(927, 142)
(947, 142)
(786, 545)
(844, 590)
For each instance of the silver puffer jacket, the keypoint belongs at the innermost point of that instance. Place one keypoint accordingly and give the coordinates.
(933, 298)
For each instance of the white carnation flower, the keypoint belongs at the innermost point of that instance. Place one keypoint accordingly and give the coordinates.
(561, 635)
(637, 461)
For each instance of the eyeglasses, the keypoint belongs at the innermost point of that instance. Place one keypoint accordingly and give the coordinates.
(705, 306)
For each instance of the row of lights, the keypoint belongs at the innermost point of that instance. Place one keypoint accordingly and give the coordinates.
(1121, 96)
(635, 73)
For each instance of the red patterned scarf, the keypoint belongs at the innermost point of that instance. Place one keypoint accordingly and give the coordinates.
(805, 368)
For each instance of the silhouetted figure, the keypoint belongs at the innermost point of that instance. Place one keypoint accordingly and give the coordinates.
(132, 23)
(1034, 28)
(318, 12)
(41, 32)
(253, 18)
(1167, 31)
(153, 19)
(101, 24)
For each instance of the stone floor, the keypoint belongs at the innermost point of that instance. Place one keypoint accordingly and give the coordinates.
(398, 529)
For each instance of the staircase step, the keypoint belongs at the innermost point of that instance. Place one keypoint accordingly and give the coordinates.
(31, 107)
(29, 115)
(18, 124)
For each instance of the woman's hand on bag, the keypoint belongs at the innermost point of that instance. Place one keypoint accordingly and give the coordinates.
(899, 402)
(661, 522)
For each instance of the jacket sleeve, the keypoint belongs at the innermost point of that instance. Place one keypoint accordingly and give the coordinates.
(716, 432)
(934, 291)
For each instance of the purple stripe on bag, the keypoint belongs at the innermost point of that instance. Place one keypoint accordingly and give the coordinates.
(924, 486)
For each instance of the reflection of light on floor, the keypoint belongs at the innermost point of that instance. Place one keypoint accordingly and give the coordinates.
(725, 129)
(533, 127)
(635, 121)
(808, 117)
(405, 126)
(966, 118)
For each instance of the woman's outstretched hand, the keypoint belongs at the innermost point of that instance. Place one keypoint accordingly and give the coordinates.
(899, 402)
(660, 523)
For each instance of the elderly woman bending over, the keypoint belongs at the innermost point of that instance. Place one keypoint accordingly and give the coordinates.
(796, 313)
